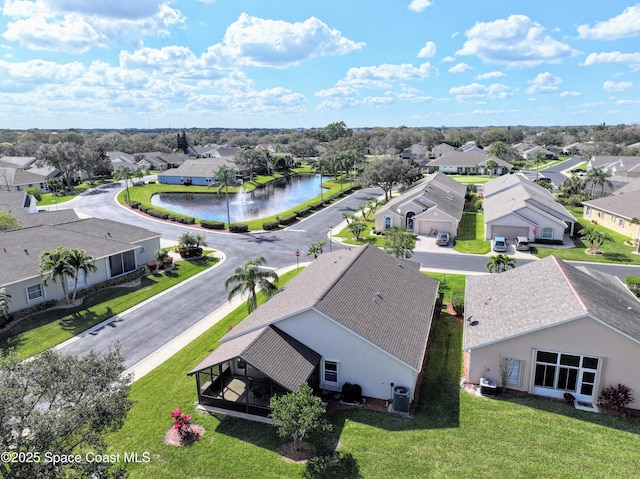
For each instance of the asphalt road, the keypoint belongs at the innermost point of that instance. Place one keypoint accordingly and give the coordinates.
(152, 325)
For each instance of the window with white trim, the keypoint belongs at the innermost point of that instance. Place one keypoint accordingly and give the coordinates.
(547, 233)
(621, 223)
(514, 367)
(613, 217)
(330, 373)
(587, 211)
(35, 292)
(388, 222)
(82, 280)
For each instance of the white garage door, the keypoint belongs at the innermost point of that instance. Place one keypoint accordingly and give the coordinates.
(432, 227)
(509, 232)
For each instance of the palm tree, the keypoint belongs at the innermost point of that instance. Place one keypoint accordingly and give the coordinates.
(491, 165)
(537, 159)
(124, 173)
(499, 263)
(5, 300)
(248, 278)
(315, 249)
(54, 267)
(356, 226)
(598, 177)
(498, 149)
(226, 176)
(79, 260)
(573, 185)
(594, 238)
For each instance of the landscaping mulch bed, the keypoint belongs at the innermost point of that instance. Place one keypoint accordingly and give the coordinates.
(172, 436)
(305, 452)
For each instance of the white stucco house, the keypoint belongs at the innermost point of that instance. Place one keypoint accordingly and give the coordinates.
(470, 162)
(435, 203)
(561, 328)
(117, 249)
(514, 206)
(359, 317)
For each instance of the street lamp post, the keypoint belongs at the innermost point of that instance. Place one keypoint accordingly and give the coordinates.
(297, 257)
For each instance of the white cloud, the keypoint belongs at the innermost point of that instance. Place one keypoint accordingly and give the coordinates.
(479, 92)
(253, 41)
(568, 93)
(428, 51)
(544, 83)
(378, 101)
(460, 68)
(338, 91)
(493, 74)
(625, 25)
(383, 76)
(612, 58)
(75, 26)
(419, 5)
(612, 86)
(515, 41)
(449, 59)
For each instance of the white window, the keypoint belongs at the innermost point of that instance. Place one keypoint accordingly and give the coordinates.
(587, 211)
(556, 373)
(613, 217)
(330, 376)
(547, 233)
(621, 223)
(514, 366)
(82, 280)
(35, 292)
(388, 222)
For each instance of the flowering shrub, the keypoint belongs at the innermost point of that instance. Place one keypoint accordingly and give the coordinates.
(182, 423)
(617, 398)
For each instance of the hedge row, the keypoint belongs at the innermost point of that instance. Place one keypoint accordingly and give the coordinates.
(238, 228)
(212, 225)
(548, 241)
(270, 225)
(633, 283)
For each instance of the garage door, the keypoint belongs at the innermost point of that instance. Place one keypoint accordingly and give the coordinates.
(431, 227)
(509, 232)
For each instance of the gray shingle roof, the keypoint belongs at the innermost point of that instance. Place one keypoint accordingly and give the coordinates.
(626, 204)
(382, 299)
(109, 229)
(542, 294)
(203, 167)
(268, 350)
(467, 159)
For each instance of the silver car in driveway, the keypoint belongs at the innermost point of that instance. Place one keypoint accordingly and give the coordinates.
(499, 244)
(443, 238)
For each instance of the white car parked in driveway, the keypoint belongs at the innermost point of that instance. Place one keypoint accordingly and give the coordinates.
(499, 244)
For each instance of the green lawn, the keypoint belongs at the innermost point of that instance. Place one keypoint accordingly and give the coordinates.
(453, 433)
(51, 199)
(614, 251)
(44, 330)
(470, 237)
(448, 284)
(471, 179)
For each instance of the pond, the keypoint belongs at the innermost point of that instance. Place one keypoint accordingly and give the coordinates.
(275, 197)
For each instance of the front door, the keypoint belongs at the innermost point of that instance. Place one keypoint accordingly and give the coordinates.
(410, 220)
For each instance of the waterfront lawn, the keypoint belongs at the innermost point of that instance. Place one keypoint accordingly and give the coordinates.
(46, 329)
(453, 433)
(470, 237)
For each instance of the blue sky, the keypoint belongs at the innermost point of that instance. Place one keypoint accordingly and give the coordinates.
(287, 63)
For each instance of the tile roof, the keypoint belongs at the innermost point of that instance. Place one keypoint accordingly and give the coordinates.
(268, 350)
(385, 300)
(626, 205)
(542, 294)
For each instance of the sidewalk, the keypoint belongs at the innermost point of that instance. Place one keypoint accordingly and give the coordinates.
(163, 353)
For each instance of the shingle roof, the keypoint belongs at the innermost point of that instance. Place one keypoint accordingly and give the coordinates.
(626, 204)
(204, 167)
(511, 193)
(109, 229)
(385, 300)
(268, 349)
(541, 294)
(468, 159)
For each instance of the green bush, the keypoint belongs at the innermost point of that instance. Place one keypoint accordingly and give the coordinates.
(633, 283)
(35, 191)
(212, 225)
(478, 204)
(135, 205)
(270, 225)
(238, 228)
(157, 213)
(457, 301)
(152, 182)
(287, 220)
(187, 220)
(338, 464)
(548, 241)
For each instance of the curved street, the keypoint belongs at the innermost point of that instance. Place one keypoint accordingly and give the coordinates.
(151, 325)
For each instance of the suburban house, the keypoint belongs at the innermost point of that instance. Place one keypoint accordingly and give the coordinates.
(160, 161)
(620, 213)
(417, 153)
(20, 172)
(119, 158)
(625, 166)
(356, 317)
(195, 172)
(532, 153)
(213, 151)
(117, 249)
(559, 328)
(514, 206)
(432, 205)
(471, 163)
(442, 149)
